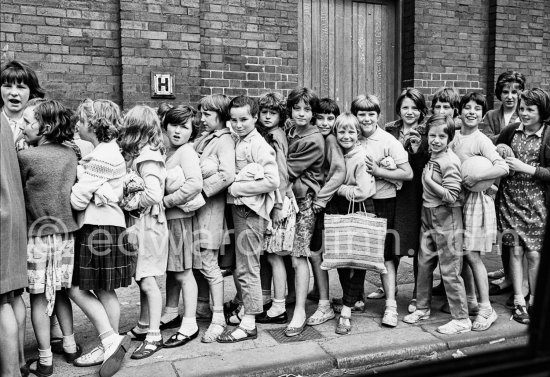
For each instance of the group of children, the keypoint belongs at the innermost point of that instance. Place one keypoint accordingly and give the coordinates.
(111, 197)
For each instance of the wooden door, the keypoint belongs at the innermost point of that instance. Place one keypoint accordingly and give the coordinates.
(347, 48)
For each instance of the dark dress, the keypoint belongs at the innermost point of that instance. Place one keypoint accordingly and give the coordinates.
(408, 202)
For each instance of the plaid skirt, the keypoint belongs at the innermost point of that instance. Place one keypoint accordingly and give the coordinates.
(103, 258)
(480, 222)
(50, 265)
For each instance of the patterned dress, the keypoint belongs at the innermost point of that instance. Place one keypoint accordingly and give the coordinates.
(521, 206)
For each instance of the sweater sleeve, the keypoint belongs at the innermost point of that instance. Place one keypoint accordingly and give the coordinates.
(489, 150)
(300, 160)
(88, 183)
(336, 173)
(151, 172)
(270, 182)
(225, 176)
(364, 187)
(451, 181)
(189, 162)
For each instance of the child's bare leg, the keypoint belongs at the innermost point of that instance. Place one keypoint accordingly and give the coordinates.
(91, 307)
(533, 261)
(19, 309)
(469, 285)
(153, 299)
(110, 303)
(388, 282)
(479, 272)
(186, 281)
(173, 289)
(321, 276)
(41, 325)
(8, 341)
(64, 313)
(302, 285)
(279, 275)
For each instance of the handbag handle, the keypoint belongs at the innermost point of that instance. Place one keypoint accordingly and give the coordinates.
(352, 204)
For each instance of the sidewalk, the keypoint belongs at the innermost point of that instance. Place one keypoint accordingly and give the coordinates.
(369, 344)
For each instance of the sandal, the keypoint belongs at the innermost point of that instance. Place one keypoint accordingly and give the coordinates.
(455, 327)
(213, 332)
(234, 313)
(521, 315)
(179, 339)
(417, 316)
(228, 337)
(135, 335)
(484, 321)
(146, 349)
(341, 327)
(321, 315)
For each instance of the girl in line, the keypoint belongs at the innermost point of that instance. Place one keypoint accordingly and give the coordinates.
(358, 188)
(142, 147)
(102, 256)
(48, 172)
(524, 196)
(480, 228)
(440, 237)
(183, 249)
(216, 150)
(410, 131)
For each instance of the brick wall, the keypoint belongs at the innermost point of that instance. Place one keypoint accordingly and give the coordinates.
(451, 45)
(75, 49)
(248, 46)
(518, 39)
(159, 36)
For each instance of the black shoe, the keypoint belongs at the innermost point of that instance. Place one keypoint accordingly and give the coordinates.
(439, 290)
(41, 370)
(510, 301)
(135, 336)
(264, 318)
(178, 339)
(176, 322)
(72, 356)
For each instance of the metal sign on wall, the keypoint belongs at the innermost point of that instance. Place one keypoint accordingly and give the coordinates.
(162, 85)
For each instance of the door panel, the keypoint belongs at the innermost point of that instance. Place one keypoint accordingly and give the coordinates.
(349, 48)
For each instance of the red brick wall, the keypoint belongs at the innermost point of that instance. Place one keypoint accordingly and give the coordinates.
(248, 46)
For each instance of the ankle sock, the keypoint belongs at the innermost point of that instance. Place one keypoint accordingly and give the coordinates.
(485, 308)
(248, 322)
(391, 304)
(45, 356)
(519, 300)
(69, 344)
(324, 304)
(278, 307)
(153, 336)
(141, 328)
(234, 318)
(188, 326)
(346, 311)
(217, 314)
(107, 338)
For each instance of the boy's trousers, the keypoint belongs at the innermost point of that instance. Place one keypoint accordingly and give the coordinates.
(441, 238)
(249, 235)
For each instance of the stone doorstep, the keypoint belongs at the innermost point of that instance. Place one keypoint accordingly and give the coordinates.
(306, 358)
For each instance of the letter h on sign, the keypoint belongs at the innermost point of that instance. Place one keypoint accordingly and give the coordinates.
(162, 85)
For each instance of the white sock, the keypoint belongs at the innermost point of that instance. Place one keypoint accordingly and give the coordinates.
(107, 338)
(45, 356)
(69, 344)
(153, 336)
(324, 303)
(141, 328)
(277, 307)
(519, 300)
(188, 326)
(217, 314)
(248, 322)
(346, 311)
(391, 304)
(485, 308)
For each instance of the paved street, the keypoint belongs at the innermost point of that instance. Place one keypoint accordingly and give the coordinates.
(369, 347)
